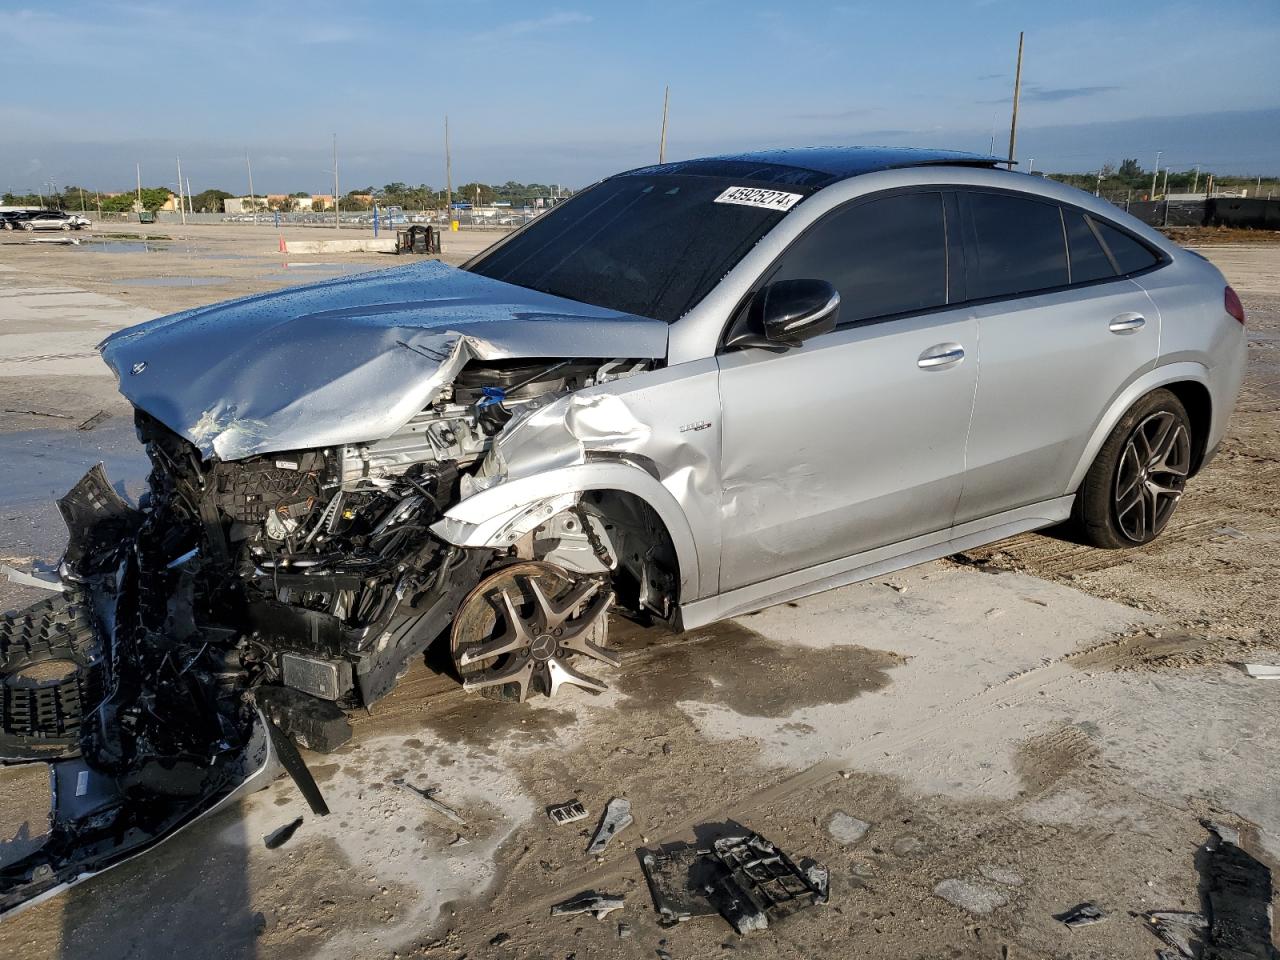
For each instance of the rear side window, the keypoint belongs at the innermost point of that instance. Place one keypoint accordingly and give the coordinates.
(1088, 260)
(1130, 255)
(1020, 246)
(885, 256)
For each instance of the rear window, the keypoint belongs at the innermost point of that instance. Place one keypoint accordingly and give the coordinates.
(649, 245)
(1130, 255)
(1020, 246)
(1088, 260)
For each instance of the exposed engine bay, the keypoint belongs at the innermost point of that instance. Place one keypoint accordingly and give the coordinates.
(246, 605)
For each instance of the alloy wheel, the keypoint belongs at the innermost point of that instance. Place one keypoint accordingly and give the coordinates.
(519, 630)
(1151, 475)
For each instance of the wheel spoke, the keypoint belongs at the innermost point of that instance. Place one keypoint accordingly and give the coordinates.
(1162, 437)
(554, 614)
(561, 674)
(520, 672)
(514, 638)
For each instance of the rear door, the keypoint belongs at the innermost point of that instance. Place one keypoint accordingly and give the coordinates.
(856, 438)
(1063, 330)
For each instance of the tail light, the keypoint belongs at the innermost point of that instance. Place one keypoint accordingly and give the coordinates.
(1231, 301)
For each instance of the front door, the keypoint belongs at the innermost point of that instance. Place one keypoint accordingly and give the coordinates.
(857, 438)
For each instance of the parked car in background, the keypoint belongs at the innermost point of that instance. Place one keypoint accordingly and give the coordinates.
(12, 219)
(51, 220)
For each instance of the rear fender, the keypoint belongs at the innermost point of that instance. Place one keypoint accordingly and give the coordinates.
(1153, 379)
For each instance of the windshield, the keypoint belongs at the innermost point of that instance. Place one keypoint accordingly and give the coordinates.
(648, 245)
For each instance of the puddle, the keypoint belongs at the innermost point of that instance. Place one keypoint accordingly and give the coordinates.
(172, 281)
(119, 246)
(311, 269)
(737, 668)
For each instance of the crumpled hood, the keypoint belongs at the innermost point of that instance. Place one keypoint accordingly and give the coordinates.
(348, 360)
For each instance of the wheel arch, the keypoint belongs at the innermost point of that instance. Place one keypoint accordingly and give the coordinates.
(493, 518)
(1187, 380)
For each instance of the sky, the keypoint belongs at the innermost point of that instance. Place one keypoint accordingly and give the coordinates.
(568, 92)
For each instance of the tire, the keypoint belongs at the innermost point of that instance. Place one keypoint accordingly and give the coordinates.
(29, 227)
(1132, 490)
(66, 227)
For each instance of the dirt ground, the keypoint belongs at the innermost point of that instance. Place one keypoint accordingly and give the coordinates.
(970, 746)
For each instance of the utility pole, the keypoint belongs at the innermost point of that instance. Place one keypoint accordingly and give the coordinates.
(662, 139)
(139, 168)
(337, 214)
(1031, 164)
(190, 208)
(1155, 173)
(182, 207)
(253, 201)
(448, 175)
(1164, 190)
(1017, 93)
(1196, 182)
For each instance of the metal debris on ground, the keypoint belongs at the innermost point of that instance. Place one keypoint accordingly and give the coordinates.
(428, 797)
(597, 904)
(617, 817)
(1262, 671)
(1081, 915)
(624, 930)
(570, 812)
(23, 579)
(39, 413)
(744, 878)
(93, 421)
(1231, 532)
(281, 835)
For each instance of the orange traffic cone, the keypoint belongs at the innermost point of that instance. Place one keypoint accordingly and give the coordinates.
(283, 247)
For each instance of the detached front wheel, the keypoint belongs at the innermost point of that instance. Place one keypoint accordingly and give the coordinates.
(1131, 491)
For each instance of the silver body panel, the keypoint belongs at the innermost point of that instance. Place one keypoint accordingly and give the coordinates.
(775, 475)
(348, 360)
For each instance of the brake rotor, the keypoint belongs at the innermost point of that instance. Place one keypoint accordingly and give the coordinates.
(519, 629)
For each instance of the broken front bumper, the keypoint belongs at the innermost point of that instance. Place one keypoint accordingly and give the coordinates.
(140, 739)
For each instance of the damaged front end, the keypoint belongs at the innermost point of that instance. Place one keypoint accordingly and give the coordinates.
(245, 605)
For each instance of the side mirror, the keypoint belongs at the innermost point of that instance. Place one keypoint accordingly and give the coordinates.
(786, 313)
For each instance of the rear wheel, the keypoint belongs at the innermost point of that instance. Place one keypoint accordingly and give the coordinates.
(1138, 477)
(28, 227)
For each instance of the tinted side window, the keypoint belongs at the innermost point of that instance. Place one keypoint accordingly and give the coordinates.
(1130, 255)
(885, 256)
(1088, 260)
(1020, 246)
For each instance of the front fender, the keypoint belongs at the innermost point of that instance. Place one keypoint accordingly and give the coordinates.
(495, 518)
(1126, 398)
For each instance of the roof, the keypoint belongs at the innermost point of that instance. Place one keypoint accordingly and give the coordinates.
(816, 166)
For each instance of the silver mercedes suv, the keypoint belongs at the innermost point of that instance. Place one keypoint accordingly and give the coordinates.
(690, 391)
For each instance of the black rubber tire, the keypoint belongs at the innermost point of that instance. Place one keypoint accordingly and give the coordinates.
(1093, 512)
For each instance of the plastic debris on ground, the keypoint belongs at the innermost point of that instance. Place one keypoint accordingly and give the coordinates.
(745, 878)
(597, 904)
(428, 797)
(1262, 671)
(1081, 915)
(1236, 890)
(617, 817)
(571, 812)
(281, 835)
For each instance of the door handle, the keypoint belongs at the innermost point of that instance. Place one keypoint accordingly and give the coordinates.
(941, 356)
(1127, 323)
